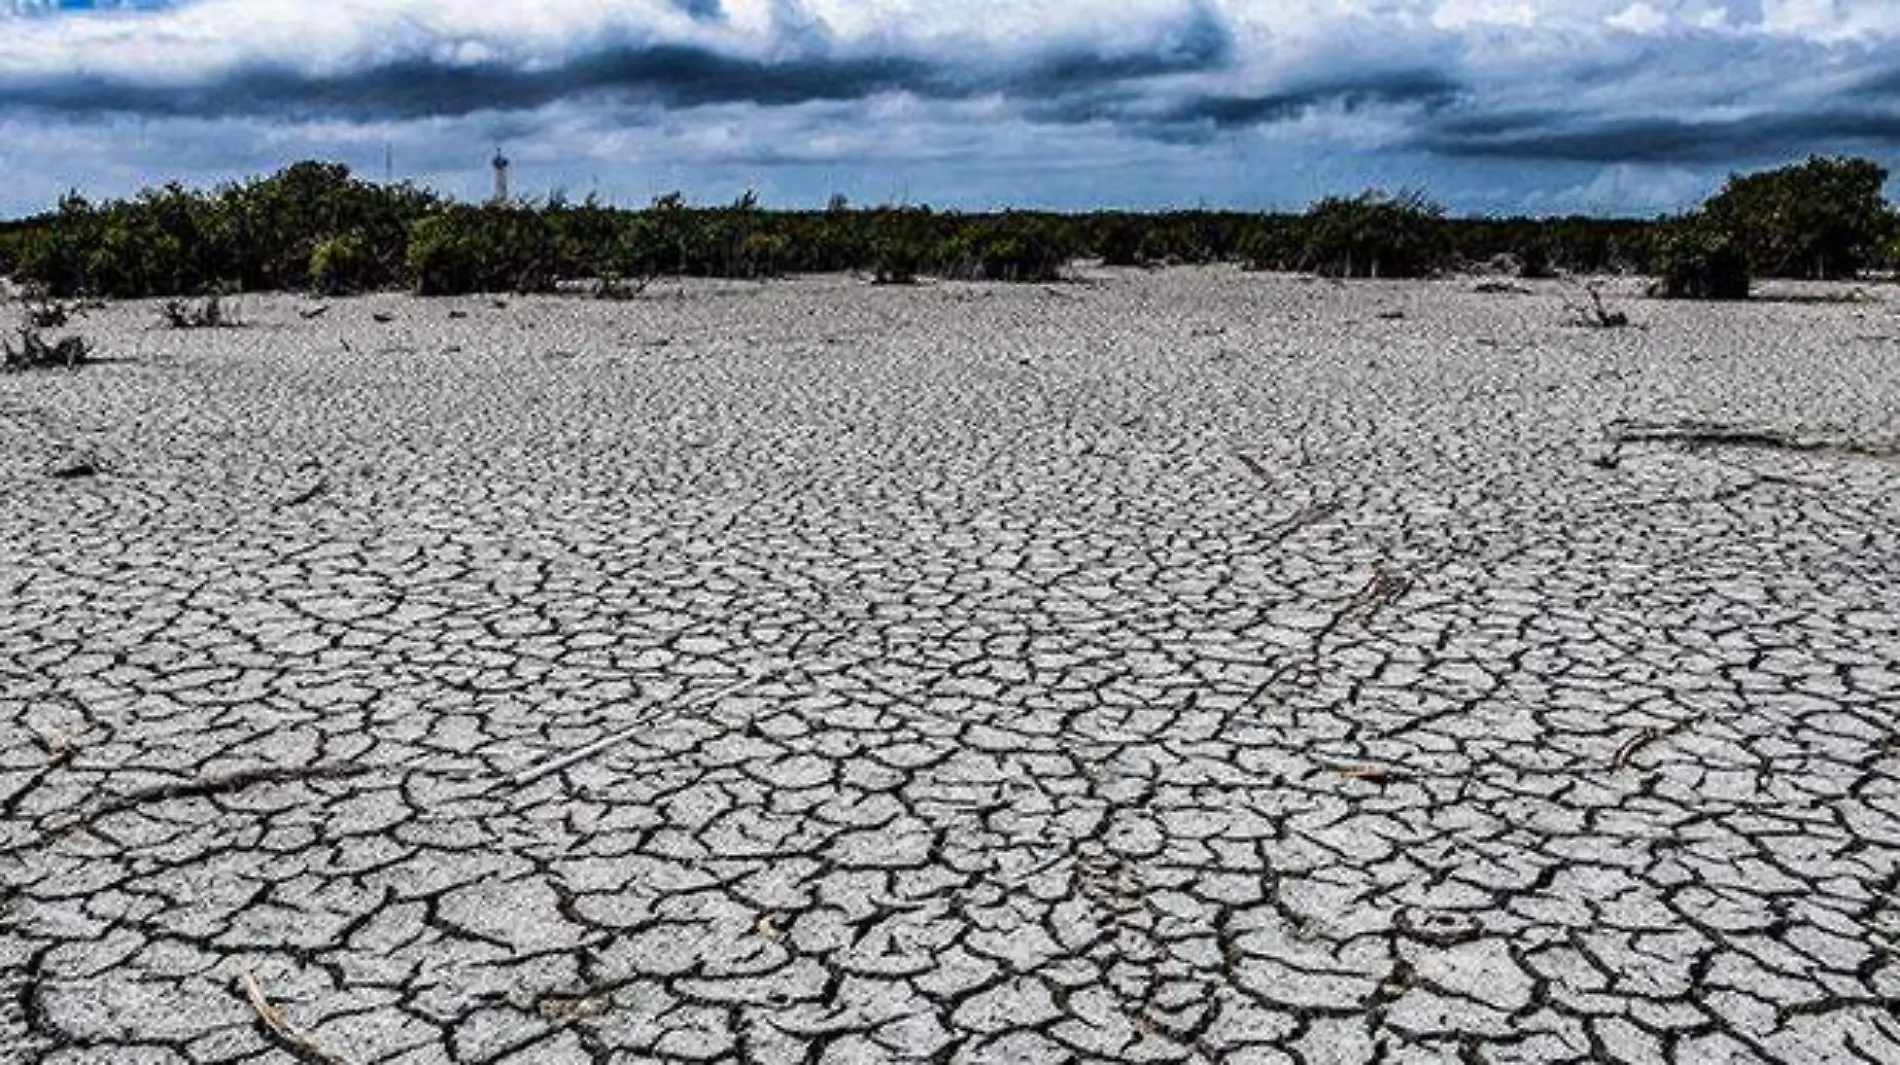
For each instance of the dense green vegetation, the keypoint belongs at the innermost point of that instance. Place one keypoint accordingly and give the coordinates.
(1375, 235)
(259, 235)
(1697, 259)
(1822, 219)
(316, 226)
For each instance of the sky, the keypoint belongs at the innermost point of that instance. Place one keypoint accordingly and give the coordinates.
(1625, 107)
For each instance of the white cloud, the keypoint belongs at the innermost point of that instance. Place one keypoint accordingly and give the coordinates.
(1625, 189)
(1832, 20)
(1638, 18)
(1459, 14)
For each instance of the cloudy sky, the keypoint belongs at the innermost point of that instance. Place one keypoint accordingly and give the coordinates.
(1539, 106)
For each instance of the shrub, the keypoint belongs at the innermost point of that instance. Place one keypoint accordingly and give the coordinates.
(1272, 244)
(838, 240)
(343, 264)
(732, 233)
(54, 253)
(258, 235)
(1122, 243)
(1820, 219)
(1375, 235)
(900, 245)
(1009, 248)
(1696, 260)
(496, 248)
(48, 314)
(1185, 238)
(1889, 257)
(441, 259)
(208, 313)
(763, 255)
(1534, 262)
(584, 237)
(34, 352)
(655, 242)
(278, 221)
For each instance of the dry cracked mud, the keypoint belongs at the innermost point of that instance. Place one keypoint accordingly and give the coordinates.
(1189, 666)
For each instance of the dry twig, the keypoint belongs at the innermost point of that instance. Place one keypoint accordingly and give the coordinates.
(1255, 466)
(1642, 738)
(1597, 316)
(305, 494)
(211, 787)
(298, 1043)
(621, 735)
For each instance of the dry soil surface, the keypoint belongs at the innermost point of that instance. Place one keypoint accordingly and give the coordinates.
(1176, 666)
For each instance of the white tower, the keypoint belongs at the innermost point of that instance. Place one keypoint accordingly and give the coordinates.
(501, 165)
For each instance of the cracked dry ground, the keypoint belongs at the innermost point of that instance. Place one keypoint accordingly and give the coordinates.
(1190, 666)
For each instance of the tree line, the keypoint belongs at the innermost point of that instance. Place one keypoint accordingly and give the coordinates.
(316, 226)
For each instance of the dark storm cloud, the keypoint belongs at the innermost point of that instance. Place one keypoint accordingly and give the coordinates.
(1429, 88)
(1195, 118)
(702, 10)
(675, 75)
(1560, 137)
(1881, 85)
(1136, 87)
(1203, 42)
(1694, 98)
(679, 75)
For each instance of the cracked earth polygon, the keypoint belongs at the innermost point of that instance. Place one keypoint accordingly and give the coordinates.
(1176, 666)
